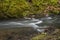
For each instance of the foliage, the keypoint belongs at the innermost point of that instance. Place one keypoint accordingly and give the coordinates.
(22, 8)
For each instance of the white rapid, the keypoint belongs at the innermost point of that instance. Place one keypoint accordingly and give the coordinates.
(26, 23)
(33, 25)
(36, 26)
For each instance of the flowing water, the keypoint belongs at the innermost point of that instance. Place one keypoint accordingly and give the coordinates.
(34, 23)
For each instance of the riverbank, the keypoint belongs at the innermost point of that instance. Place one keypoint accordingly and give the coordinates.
(53, 36)
(17, 33)
(27, 34)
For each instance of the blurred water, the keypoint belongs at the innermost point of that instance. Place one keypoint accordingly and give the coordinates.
(34, 23)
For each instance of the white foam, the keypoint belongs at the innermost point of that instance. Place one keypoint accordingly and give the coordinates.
(33, 19)
(49, 18)
(40, 30)
(15, 23)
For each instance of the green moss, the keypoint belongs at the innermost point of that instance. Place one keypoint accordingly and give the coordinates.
(54, 36)
(39, 37)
